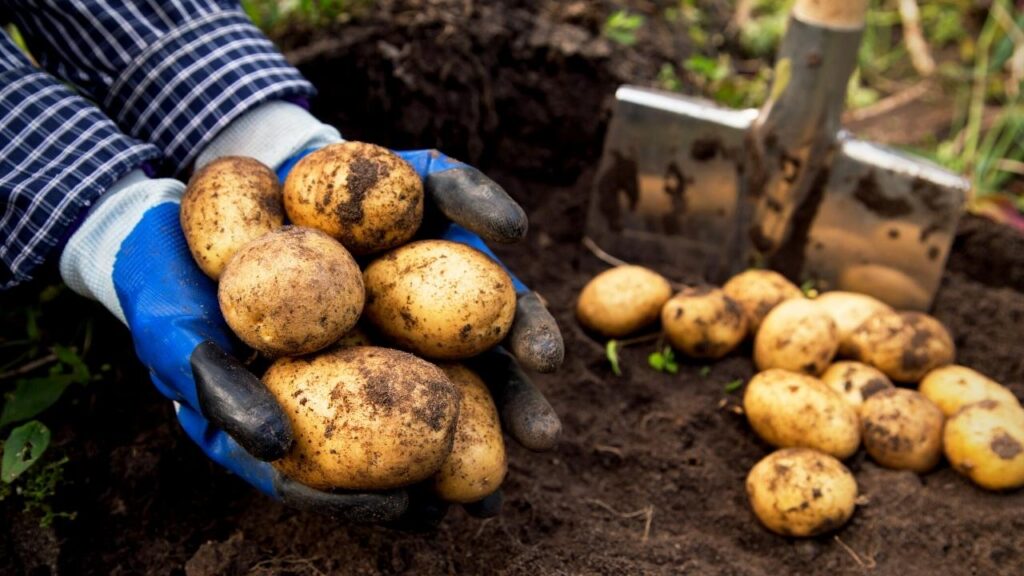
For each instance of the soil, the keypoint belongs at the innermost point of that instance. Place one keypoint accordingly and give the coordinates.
(649, 476)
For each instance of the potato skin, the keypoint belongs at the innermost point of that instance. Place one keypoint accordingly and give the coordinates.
(849, 310)
(363, 195)
(902, 430)
(703, 322)
(953, 387)
(364, 418)
(292, 291)
(622, 300)
(797, 335)
(904, 345)
(227, 203)
(801, 492)
(985, 442)
(758, 291)
(439, 299)
(855, 381)
(477, 464)
(790, 409)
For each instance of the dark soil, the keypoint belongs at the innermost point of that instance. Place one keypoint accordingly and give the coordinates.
(524, 96)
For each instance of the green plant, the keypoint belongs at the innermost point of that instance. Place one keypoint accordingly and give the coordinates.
(611, 350)
(733, 386)
(621, 27)
(663, 360)
(269, 14)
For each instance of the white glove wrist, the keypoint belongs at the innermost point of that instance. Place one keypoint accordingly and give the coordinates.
(271, 133)
(87, 263)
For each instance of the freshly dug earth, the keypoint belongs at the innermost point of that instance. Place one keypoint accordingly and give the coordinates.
(649, 477)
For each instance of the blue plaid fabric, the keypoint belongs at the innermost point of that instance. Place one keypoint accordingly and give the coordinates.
(171, 73)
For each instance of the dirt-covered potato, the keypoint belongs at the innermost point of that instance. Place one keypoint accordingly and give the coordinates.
(703, 322)
(985, 442)
(439, 299)
(904, 345)
(758, 291)
(801, 492)
(953, 387)
(850, 310)
(227, 203)
(364, 418)
(855, 381)
(363, 195)
(622, 300)
(355, 337)
(902, 429)
(789, 409)
(797, 335)
(477, 464)
(292, 291)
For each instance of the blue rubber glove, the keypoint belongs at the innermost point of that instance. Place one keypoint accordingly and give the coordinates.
(131, 255)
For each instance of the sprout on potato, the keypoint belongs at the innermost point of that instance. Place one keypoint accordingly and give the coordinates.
(902, 429)
(477, 464)
(439, 299)
(703, 322)
(985, 442)
(855, 381)
(292, 291)
(904, 345)
(364, 418)
(797, 335)
(850, 310)
(622, 300)
(228, 203)
(361, 194)
(953, 387)
(758, 291)
(801, 492)
(790, 409)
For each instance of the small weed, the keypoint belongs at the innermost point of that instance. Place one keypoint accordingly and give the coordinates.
(664, 360)
(621, 27)
(734, 386)
(611, 351)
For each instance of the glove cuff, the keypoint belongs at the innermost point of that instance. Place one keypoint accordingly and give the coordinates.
(270, 133)
(87, 263)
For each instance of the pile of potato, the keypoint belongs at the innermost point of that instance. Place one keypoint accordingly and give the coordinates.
(365, 417)
(816, 410)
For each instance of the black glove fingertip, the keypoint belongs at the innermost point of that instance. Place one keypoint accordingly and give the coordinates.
(356, 508)
(472, 200)
(535, 339)
(489, 507)
(525, 414)
(235, 400)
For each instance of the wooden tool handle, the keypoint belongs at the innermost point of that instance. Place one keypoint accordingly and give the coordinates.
(839, 14)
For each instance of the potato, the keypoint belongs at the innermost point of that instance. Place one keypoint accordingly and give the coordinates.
(849, 310)
(292, 291)
(364, 418)
(801, 492)
(953, 387)
(477, 464)
(902, 429)
(227, 203)
(797, 335)
(985, 442)
(363, 195)
(855, 382)
(790, 409)
(904, 345)
(703, 322)
(439, 299)
(758, 291)
(622, 300)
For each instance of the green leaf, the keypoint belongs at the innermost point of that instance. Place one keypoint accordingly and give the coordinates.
(656, 361)
(23, 448)
(621, 27)
(734, 386)
(70, 358)
(31, 396)
(611, 351)
(664, 360)
(704, 371)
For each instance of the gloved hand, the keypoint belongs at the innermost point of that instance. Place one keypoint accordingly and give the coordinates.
(130, 254)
